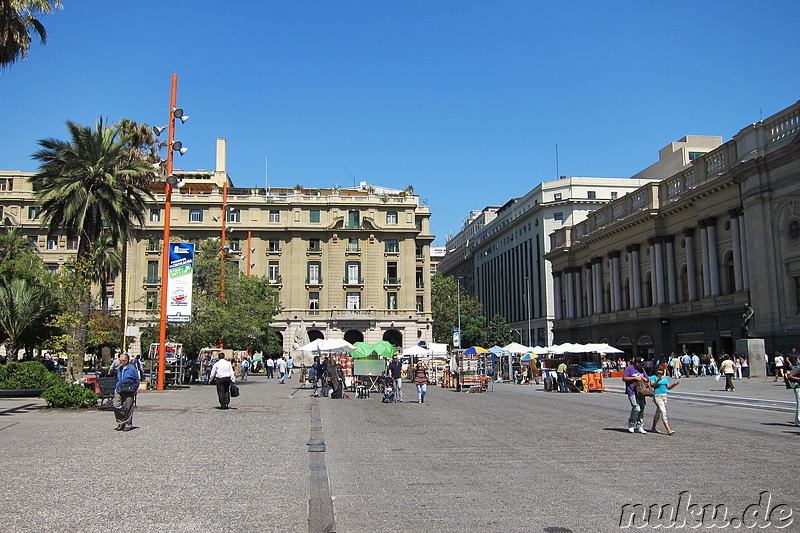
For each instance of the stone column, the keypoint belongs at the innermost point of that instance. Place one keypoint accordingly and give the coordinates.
(597, 272)
(691, 273)
(743, 250)
(672, 288)
(589, 289)
(706, 267)
(616, 285)
(737, 249)
(713, 256)
(657, 255)
(636, 277)
(579, 292)
(557, 295)
(570, 283)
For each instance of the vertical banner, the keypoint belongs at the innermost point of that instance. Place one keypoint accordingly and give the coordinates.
(179, 283)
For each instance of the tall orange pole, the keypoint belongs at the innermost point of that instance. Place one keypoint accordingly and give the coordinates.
(162, 330)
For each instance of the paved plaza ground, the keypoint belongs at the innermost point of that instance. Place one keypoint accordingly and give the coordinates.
(513, 459)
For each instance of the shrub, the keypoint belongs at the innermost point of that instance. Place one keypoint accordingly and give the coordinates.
(66, 396)
(26, 375)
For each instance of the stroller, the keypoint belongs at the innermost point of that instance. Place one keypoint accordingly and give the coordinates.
(388, 389)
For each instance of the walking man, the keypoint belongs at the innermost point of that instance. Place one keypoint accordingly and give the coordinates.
(281, 364)
(289, 367)
(633, 373)
(222, 374)
(270, 367)
(125, 394)
(396, 371)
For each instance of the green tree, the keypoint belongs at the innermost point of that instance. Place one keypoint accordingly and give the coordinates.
(88, 186)
(499, 331)
(17, 23)
(445, 305)
(107, 263)
(25, 306)
(18, 257)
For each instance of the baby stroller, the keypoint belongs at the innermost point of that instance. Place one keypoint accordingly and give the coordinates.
(388, 389)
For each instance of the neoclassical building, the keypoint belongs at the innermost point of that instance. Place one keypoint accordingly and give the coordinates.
(345, 262)
(671, 265)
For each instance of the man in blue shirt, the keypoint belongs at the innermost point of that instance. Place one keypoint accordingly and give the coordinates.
(125, 394)
(396, 371)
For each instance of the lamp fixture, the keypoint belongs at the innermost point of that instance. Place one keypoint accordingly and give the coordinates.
(158, 130)
(178, 113)
(180, 184)
(178, 147)
(252, 265)
(171, 179)
(229, 230)
(252, 250)
(226, 249)
(215, 219)
(231, 209)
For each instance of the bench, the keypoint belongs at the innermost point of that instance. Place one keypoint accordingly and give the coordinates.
(107, 386)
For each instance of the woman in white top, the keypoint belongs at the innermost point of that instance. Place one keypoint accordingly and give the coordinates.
(222, 374)
(727, 368)
(778, 366)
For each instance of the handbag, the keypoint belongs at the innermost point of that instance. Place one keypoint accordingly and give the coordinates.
(234, 390)
(128, 386)
(644, 388)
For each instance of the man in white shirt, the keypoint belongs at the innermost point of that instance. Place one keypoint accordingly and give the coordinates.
(270, 367)
(223, 375)
(281, 364)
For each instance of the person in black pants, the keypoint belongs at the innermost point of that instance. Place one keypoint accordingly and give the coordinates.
(222, 374)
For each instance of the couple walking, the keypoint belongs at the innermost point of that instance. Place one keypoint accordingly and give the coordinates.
(419, 376)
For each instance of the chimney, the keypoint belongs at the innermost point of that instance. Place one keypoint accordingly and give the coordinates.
(221, 163)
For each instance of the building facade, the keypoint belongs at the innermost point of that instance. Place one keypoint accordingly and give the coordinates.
(671, 266)
(499, 254)
(345, 262)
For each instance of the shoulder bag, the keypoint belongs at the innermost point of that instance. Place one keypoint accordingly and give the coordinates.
(644, 388)
(234, 390)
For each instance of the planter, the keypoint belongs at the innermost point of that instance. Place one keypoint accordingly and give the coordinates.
(21, 393)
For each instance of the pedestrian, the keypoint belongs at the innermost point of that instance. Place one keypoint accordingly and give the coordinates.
(289, 367)
(728, 369)
(745, 367)
(793, 382)
(125, 394)
(561, 372)
(245, 366)
(661, 385)
(686, 364)
(696, 364)
(712, 365)
(137, 364)
(737, 367)
(281, 365)
(778, 366)
(324, 376)
(421, 380)
(634, 372)
(270, 365)
(396, 370)
(222, 374)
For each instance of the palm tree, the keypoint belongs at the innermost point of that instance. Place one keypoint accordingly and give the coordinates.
(17, 22)
(89, 186)
(24, 308)
(107, 263)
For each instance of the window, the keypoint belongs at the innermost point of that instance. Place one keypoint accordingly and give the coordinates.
(314, 245)
(52, 243)
(558, 216)
(353, 270)
(51, 269)
(195, 215)
(6, 184)
(152, 272)
(557, 197)
(420, 278)
(419, 253)
(274, 245)
(33, 240)
(313, 216)
(313, 300)
(391, 273)
(235, 245)
(33, 212)
(274, 272)
(391, 217)
(614, 195)
(391, 246)
(391, 301)
(234, 215)
(153, 244)
(155, 215)
(314, 272)
(274, 215)
(152, 301)
(72, 243)
(354, 300)
(420, 306)
(352, 245)
(695, 155)
(353, 220)
(591, 195)
(1, 214)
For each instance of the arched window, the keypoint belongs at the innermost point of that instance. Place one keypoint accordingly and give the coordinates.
(353, 336)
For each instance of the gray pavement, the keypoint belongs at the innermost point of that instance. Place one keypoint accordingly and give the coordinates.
(513, 459)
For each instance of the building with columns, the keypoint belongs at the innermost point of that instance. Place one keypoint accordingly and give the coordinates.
(499, 253)
(670, 266)
(345, 262)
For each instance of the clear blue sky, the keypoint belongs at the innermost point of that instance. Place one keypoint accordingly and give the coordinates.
(464, 100)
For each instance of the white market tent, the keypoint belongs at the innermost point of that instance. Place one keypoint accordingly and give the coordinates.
(327, 345)
(416, 351)
(438, 351)
(517, 348)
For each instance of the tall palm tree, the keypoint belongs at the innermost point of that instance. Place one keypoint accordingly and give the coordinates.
(17, 22)
(106, 263)
(88, 186)
(24, 307)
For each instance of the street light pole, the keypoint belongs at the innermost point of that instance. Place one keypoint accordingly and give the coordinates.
(528, 286)
(162, 330)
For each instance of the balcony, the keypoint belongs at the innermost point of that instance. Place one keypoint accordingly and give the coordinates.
(353, 249)
(420, 284)
(391, 281)
(276, 279)
(316, 280)
(353, 280)
(151, 280)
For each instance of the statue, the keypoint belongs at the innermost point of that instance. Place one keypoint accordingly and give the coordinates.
(747, 317)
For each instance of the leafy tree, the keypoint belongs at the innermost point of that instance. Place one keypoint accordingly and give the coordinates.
(103, 330)
(88, 186)
(18, 258)
(444, 306)
(107, 263)
(499, 332)
(17, 22)
(24, 307)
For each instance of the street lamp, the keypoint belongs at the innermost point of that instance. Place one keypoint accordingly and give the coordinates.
(458, 356)
(528, 287)
(172, 146)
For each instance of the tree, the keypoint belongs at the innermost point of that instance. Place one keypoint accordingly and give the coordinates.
(18, 258)
(444, 307)
(499, 332)
(88, 186)
(17, 22)
(25, 306)
(106, 264)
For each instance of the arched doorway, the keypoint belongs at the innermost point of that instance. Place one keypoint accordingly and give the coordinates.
(314, 334)
(394, 337)
(352, 336)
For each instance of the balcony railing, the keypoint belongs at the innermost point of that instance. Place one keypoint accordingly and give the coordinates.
(316, 280)
(353, 249)
(420, 284)
(353, 280)
(151, 280)
(276, 280)
(391, 281)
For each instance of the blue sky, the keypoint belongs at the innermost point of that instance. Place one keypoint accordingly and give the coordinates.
(465, 101)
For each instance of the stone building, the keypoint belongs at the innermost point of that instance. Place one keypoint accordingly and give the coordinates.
(670, 266)
(345, 262)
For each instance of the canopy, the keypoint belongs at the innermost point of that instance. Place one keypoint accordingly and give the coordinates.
(496, 349)
(603, 348)
(569, 347)
(381, 349)
(539, 350)
(416, 350)
(474, 350)
(327, 345)
(529, 357)
(438, 350)
(517, 348)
